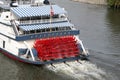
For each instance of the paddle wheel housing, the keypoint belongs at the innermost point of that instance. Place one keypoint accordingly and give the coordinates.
(56, 48)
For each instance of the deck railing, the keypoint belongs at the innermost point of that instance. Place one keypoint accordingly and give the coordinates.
(21, 2)
(41, 21)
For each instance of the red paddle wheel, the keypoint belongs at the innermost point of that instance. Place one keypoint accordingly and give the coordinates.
(56, 48)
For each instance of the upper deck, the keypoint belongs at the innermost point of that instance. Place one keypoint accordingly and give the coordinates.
(36, 21)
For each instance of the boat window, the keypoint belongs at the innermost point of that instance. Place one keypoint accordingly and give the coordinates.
(24, 32)
(3, 10)
(53, 29)
(47, 30)
(45, 17)
(38, 17)
(27, 32)
(7, 16)
(43, 30)
(32, 31)
(68, 28)
(24, 19)
(61, 29)
(55, 16)
(38, 31)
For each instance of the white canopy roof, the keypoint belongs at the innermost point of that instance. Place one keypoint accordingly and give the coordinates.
(31, 11)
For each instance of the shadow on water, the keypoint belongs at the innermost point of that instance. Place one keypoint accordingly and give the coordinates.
(14, 70)
(113, 19)
(113, 23)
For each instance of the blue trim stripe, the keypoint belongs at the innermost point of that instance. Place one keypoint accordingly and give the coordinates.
(46, 35)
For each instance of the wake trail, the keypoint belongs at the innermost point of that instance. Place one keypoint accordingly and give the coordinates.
(81, 70)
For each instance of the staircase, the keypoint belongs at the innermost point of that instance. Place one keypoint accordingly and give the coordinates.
(14, 27)
(56, 48)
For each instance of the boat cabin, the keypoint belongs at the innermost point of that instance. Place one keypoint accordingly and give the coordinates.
(40, 20)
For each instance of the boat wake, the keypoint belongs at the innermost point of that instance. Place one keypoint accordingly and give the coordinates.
(81, 70)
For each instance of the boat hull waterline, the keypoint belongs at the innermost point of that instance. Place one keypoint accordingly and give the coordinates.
(9, 55)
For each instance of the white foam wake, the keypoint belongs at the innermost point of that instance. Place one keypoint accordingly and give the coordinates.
(79, 71)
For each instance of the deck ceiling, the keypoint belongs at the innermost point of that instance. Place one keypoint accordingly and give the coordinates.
(44, 26)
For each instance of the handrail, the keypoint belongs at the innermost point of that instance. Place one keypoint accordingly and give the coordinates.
(85, 52)
(41, 21)
(30, 51)
(19, 2)
(15, 27)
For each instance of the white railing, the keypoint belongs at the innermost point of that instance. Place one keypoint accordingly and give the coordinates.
(42, 21)
(19, 2)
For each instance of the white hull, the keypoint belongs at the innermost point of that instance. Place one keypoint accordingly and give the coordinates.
(25, 28)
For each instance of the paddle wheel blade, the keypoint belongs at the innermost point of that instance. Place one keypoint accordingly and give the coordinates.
(56, 48)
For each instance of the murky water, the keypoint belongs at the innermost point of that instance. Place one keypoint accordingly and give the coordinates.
(100, 32)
